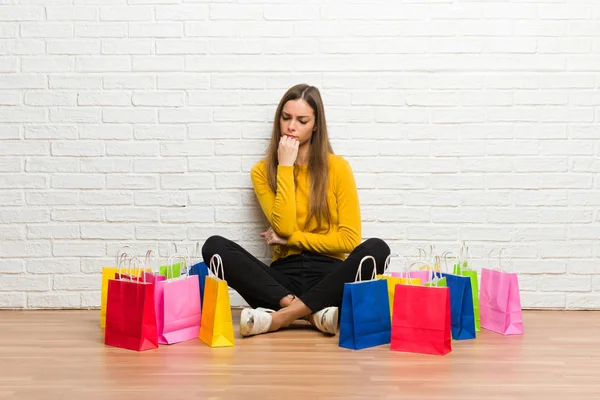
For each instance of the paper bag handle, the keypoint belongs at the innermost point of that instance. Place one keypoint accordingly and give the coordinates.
(420, 250)
(429, 267)
(431, 251)
(214, 268)
(148, 261)
(139, 267)
(500, 251)
(124, 256)
(464, 257)
(386, 268)
(425, 254)
(182, 260)
(197, 253)
(139, 270)
(126, 246)
(445, 258)
(510, 260)
(489, 261)
(358, 277)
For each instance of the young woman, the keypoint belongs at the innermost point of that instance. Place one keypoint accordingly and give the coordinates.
(309, 197)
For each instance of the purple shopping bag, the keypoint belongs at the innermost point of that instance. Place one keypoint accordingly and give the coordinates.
(500, 301)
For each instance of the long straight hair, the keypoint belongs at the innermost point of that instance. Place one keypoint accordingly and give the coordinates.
(320, 148)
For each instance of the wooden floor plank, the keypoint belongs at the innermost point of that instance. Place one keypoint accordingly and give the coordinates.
(61, 355)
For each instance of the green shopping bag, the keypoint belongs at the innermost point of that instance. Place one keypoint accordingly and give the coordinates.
(174, 271)
(461, 267)
(437, 280)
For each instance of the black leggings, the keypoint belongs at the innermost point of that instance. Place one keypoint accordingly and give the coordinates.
(316, 279)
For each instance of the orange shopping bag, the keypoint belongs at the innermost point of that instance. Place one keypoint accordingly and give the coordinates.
(216, 326)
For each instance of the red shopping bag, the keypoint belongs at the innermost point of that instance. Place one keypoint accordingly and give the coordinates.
(130, 314)
(109, 272)
(421, 320)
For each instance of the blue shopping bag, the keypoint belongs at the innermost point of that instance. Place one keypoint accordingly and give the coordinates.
(201, 270)
(365, 315)
(462, 315)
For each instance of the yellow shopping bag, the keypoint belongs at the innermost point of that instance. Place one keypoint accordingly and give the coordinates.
(393, 281)
(216, 325)
(391, 285)
(109, 273)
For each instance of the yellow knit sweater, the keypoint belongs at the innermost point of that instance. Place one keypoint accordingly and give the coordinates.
(287, 209)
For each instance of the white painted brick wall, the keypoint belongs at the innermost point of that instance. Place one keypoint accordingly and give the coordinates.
(138, 122)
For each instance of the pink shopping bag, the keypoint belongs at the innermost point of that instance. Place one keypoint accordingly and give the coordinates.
(500, 300)
(423, 276)
(178, 308)
(422, 273)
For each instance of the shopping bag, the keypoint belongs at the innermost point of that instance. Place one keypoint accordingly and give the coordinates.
(462, 268)
(365, 318)
(216, 327)
(421, 320)
(461, 304)
(139, 274)
(422, 276)
(422, 273)
(179, 305)
(393, 281)
(500, 300)
(174, 271)
(199, 268)
(130, 314)
(156, 278)
(109, 273)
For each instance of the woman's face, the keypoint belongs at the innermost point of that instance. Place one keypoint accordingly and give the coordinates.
(297, 120)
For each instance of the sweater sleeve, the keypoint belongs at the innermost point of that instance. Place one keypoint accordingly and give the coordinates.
(348, 234)
(280, 207)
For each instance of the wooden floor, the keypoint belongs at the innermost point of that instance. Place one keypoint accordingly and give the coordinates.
(61, 355)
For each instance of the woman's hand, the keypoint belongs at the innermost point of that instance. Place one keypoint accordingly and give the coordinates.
(287, 150)
(272, 238)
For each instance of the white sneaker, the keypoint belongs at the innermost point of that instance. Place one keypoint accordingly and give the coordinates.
(325, 320)
(255, 321)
